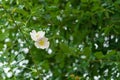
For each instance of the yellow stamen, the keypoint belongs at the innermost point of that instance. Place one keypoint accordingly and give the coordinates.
(41, 42)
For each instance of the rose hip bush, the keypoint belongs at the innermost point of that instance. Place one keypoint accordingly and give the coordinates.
(59, 39)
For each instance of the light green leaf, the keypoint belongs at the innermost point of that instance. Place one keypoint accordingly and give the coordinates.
(3, 36)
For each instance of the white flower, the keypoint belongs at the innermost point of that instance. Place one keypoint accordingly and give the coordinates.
(42, 43)
(37, 35)
(40, 40)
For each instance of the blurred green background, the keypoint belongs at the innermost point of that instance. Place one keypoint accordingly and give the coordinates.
(84, 39)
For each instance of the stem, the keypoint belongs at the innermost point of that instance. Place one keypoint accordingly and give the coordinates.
(28, 20)
(19, 29)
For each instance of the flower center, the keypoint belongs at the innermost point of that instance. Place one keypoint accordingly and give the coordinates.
(41, 42)
(37, 35)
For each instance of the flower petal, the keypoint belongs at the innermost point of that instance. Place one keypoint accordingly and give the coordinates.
(32, 34)
(47, 44)
(37, 35)
(41, 34)
(37, 44)
(42, 43)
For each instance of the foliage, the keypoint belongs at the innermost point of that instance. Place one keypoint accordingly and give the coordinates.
(84, 39)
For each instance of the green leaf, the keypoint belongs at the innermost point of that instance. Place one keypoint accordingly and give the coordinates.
(1, 46)
(3, 36)
(99, 55)
(84, 1)
(64, 48)
(87, 51)
(20, 57)
(45, 64)
(111, 54)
